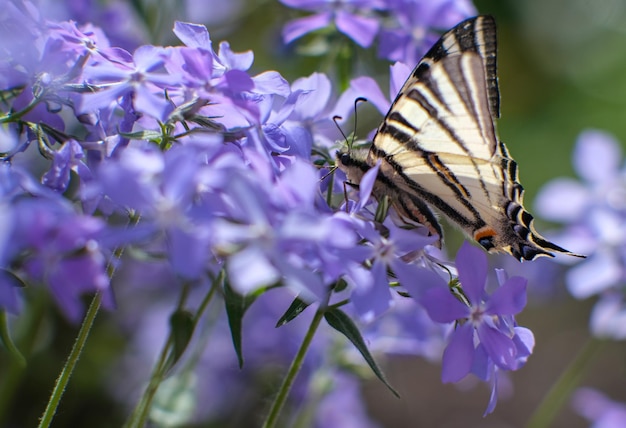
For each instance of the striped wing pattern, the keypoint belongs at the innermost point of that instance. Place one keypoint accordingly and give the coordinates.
(438, 148)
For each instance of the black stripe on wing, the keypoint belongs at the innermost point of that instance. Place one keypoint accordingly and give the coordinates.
(477, 35)
(430, 198)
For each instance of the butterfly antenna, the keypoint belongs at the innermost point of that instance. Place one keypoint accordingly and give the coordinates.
(356, 103)
(336, 119)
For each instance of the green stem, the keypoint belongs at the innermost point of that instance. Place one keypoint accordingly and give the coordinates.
(141, 412)
(560, 391)
(296, 364)
(7, 340)
(70, 364)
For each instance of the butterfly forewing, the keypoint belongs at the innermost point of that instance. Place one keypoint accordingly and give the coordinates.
(438, 147)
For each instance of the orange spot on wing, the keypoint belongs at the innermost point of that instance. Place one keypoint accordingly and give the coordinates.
(484, 232)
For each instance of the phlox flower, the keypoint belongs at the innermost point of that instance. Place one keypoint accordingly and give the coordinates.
(594, 212)
(49, 242)
(486, 337)
(411, 33)
(351, 17)
(599, 409)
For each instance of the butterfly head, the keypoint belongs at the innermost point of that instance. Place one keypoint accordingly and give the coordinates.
(353, 162)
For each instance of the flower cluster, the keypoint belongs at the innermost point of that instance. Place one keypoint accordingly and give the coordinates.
(404, 27)
(182, 156)
(594, 210)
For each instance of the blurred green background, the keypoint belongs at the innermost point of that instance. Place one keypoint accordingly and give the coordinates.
(562, 68)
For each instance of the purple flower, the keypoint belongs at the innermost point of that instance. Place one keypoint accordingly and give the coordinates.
(343, 406)
(311, 118)
(599, 409)
(595, 214)
(163, 190)
(608, 317)
(406, 329)
(64, 251)
(69, 157)
(396, 253)
(486, 334)
(414, 21)
(273, 232)
(144, 78)
(351, 17)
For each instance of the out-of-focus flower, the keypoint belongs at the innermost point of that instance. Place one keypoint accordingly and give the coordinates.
(414, 22)
(354, 18)
(598, 409)
(594, 211)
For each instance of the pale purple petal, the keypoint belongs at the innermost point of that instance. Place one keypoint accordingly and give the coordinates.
(608, 318)
(188, 252)
(368, 88)
(597, 156)
(493, 397)
(148, 58)
(418, 281)
(301, 26)
(372, 301)
(399, 72)
(366, 186)
(442, 306)
(193, 35)
(147, 101)
(508, 299)
(235, 60)
(482, 366)
(563, 200)
(249, 270)
(317, 90)
(271, 82)
(305, 4)
(361, 29)
(500, 347)
(458, 356)
(471, 263)
(594, 275)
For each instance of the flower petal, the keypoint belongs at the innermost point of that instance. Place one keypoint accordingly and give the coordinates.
(359, 28)
(500, 347)
(471, 263)
(301, 26)
(509, 299)
(597, 156)
(459, 354)
(442, 306)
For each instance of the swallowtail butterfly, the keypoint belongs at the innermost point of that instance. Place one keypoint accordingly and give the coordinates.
(439, 149)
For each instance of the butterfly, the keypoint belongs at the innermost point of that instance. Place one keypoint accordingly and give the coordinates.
(438, 148)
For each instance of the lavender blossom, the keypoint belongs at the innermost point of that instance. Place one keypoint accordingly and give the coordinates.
(595, 214)
(411, 33)
(351, 17)
(486, 337)
(598, 409)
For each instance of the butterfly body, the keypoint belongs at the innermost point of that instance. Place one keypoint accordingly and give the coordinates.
(438, 148)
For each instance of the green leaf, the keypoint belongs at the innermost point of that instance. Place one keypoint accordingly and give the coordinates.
(236, 307)
(143, 135)
(295, 309)
(341, 322)
(382, 209)
(182, 326)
